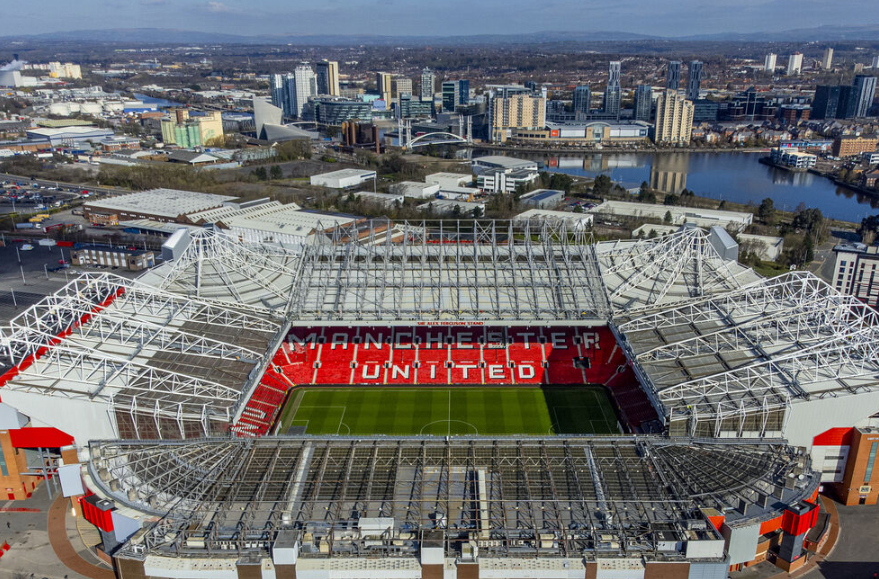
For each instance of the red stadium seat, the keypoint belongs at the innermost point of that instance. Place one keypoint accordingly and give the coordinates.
(433, 355)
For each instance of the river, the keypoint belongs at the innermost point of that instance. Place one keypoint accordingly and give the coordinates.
(737, 177)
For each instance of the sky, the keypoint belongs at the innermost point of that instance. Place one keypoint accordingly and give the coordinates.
(433, 18)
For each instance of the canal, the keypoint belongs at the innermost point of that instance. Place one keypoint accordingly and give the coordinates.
(737, 177)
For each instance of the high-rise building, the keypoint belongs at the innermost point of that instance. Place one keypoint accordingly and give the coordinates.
(514, 110)
(455, 92)
(428, 84)
(794, 64)
(328, 78)
(694, 79)
(383, 86)
(613, 93)
(863, 92)
(300, 86)
(582, 102)
(875, 64)
(407, 107)
(402, 86)
(833, 102)
(769, 62)
(674, 119)
(278, 83)
(463, 92)
(827, 59)
(643, 102)
(673, 75)
(450, 95)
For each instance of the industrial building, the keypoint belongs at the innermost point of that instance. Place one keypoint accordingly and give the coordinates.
(167, 205)
(416, 189)
(542, 198)
(343, 178)
(574, 221)
(67, 136)
(679, 215)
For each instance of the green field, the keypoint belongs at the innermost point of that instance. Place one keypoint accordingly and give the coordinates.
(449, 411)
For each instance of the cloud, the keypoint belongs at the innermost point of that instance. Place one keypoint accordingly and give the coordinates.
(218, 8)
(153, 2)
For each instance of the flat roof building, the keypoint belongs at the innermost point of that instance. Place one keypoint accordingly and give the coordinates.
(158, 204)
(343, 178)
(449, 179)
(452, 207)
(542, 198)
(575, 220)
(501, 162)
(415, 189)
(680, 215)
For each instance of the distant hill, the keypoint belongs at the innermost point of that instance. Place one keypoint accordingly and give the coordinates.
(820, 33)
(173, 36)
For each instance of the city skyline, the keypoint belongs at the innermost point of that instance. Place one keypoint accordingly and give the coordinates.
(348, 17)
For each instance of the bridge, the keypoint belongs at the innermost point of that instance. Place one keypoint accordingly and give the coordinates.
(407, 142)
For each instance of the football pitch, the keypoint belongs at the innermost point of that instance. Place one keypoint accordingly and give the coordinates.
(449, 411)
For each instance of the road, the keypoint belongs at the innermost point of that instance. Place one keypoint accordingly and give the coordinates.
(76, 186)
(855, 555)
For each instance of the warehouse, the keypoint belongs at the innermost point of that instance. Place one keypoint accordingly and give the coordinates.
(542, 198)
(416, 190)
(69, 135)
(449, 179)
(343, 178)
(167, 205)
(738, 220)
(576, 221)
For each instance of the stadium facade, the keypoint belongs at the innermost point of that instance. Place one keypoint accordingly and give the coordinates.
(723, 382)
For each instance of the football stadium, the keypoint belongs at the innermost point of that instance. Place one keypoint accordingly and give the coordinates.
(450, 399)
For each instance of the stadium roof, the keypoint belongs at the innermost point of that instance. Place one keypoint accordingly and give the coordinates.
(465, 271)
(538, 497)
(641, 274)
(733, 359)
(162, 365)
(217, 266)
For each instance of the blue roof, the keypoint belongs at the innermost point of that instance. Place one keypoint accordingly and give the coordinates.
(545, 195)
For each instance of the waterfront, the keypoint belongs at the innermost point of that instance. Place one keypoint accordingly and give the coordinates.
(736, 177)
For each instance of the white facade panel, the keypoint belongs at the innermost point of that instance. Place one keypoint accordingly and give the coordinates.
(741, 542)
(808, 419)
(82, 419)
(71, 480)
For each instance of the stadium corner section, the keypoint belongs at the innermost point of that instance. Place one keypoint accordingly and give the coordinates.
(448, 354)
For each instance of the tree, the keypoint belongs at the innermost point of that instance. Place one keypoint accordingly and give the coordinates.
(766, 211)
(671, 199)
(668, 218)
(477, 212)
(602, 185)
(869, 229)
(260, 173)
(276, 173)
(646, 196)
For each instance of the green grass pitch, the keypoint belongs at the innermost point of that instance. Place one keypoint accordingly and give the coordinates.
(449, 411)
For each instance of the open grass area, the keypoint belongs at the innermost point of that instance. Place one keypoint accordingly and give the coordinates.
(449, 411)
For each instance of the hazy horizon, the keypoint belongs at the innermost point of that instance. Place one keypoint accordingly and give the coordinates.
(418, 18)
